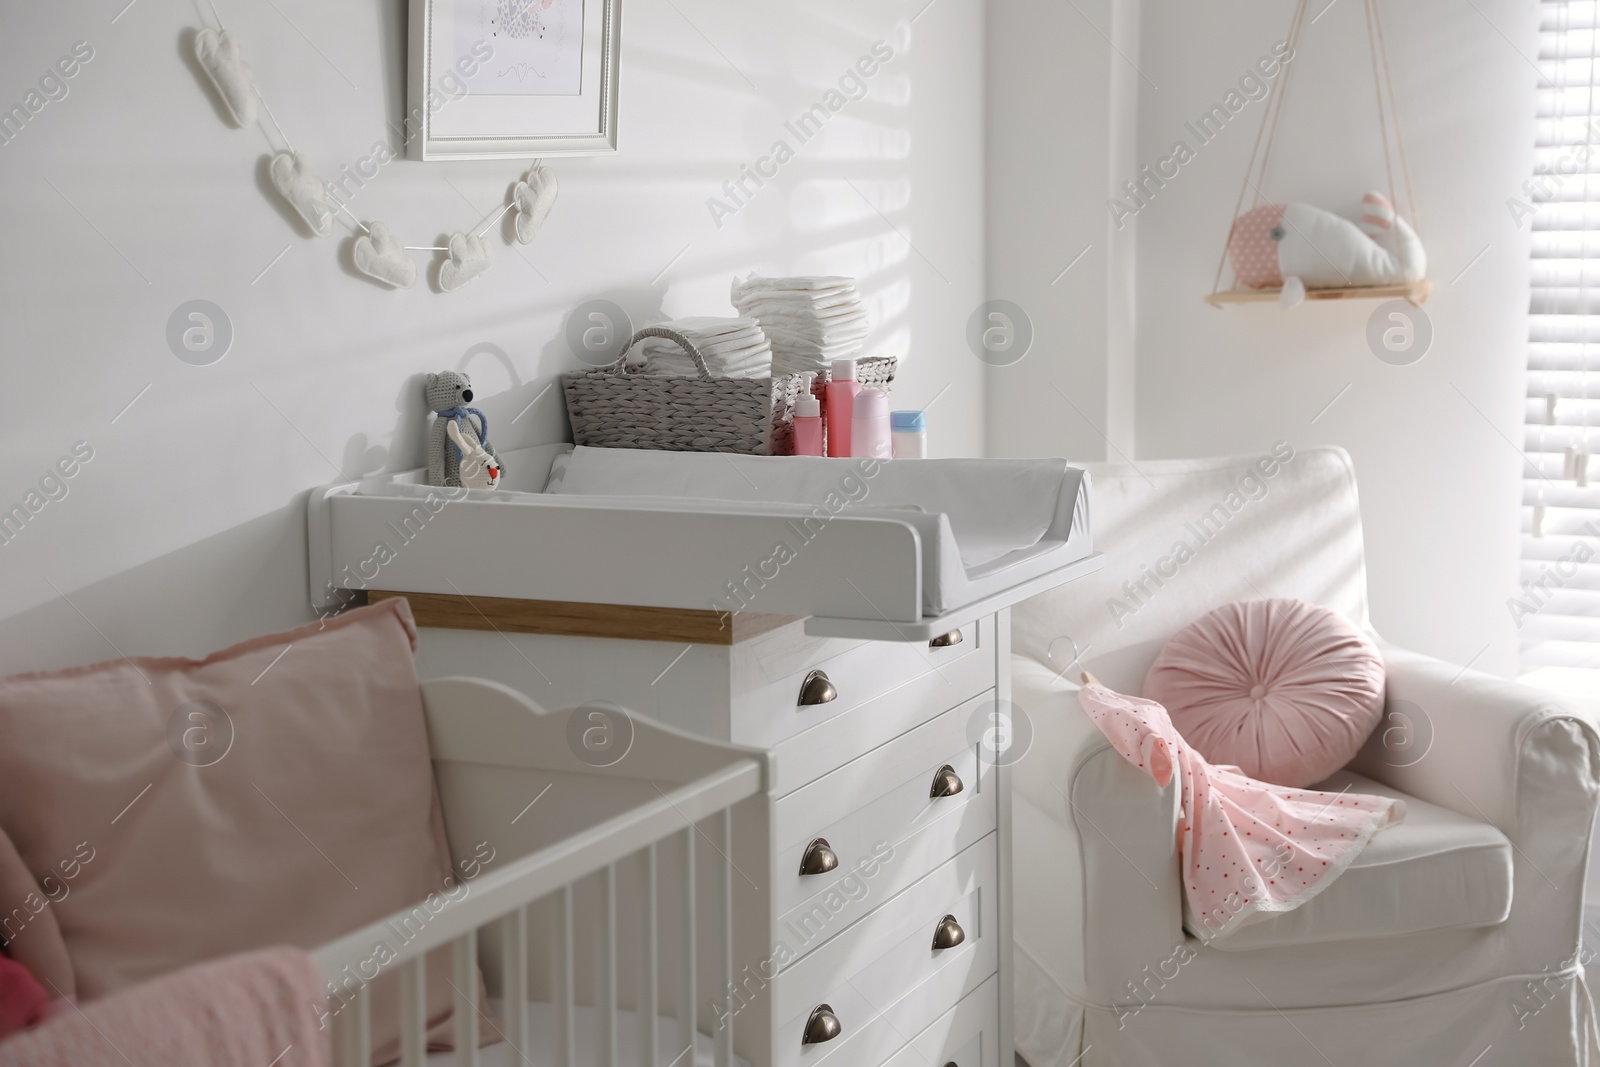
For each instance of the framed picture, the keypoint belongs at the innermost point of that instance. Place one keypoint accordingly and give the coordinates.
(502, 79)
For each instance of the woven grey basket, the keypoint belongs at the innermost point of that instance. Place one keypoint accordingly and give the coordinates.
(873, 372)
(611, 407)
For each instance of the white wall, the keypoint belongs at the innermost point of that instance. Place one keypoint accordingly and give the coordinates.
(130, 196)
(1061, 108)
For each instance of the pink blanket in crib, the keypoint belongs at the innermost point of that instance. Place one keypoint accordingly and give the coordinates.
(1248, 848)
(250, 1010)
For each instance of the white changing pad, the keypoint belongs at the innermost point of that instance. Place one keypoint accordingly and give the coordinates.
(994, 506)
(877, 549)
(586, 1050)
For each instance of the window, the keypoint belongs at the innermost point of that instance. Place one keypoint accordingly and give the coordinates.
(1558, 609)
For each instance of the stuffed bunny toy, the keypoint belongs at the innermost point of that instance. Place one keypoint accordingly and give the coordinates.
(457, 432)
(477, 469)
(1297, 247)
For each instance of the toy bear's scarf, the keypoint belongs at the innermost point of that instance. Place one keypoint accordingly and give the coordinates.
(456, 415)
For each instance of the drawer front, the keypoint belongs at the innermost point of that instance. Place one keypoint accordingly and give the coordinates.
(831, 744)
(878, 818)
(770, 672)
(968, 1035)
(885, 979)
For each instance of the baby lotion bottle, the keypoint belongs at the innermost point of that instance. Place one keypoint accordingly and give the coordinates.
(869, 428)
(842, 392)
(807, 422)
(910, 434)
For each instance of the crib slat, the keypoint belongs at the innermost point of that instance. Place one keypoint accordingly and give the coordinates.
(465, 953)
(413, 1012)
(566, 1022)
(686, 993)
(649, 983)
(356, 1030)
(607, 972)
(514, 980)
(724, 1033)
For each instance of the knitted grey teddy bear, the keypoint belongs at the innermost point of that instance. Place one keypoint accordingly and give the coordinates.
(458, 433)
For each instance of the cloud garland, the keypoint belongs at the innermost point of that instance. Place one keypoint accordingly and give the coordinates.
(378, 253)
(533, 197)
(297, 183)
(470, 256)
(219, 56)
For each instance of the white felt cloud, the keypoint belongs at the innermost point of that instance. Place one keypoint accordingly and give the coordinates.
(293, 178)
(470, 256)
(380, 255)
(219, 56)
(534, 196)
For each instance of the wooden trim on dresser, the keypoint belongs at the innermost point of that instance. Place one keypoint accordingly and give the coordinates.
(633, 622)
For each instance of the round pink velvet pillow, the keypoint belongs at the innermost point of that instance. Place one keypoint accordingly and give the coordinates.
(1285, 690)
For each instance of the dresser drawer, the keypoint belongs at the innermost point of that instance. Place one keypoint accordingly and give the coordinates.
(771, 672)
(878, 817)
(885, 979)
(968, 1035)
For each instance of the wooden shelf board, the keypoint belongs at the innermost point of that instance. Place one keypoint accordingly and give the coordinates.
(1415, 293)
(625, 621)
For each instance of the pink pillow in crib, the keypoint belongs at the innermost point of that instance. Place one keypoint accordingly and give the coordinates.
(1284, 690)
(28, 926)
(306, 813)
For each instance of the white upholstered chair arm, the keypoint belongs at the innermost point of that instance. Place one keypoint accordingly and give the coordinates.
(1112, 873)
(1523, 759)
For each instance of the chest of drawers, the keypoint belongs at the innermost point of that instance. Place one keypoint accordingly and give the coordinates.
(870, 886)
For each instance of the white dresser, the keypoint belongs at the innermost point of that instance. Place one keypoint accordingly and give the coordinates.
(871, 894)
(861, 652)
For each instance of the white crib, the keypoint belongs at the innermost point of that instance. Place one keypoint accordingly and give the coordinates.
(599, 875)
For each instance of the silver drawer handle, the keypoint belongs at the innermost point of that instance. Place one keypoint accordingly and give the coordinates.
(946, 783)
(948, 934)
(946, 640)
(819, 858)
(816, 689)
(822, 1026)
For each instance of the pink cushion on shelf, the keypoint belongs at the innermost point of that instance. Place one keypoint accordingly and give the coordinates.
(1285, 690)
(317, 817)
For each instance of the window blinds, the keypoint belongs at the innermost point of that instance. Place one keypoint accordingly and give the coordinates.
(1558, 606)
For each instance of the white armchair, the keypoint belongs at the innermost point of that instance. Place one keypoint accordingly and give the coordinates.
(1457, 930)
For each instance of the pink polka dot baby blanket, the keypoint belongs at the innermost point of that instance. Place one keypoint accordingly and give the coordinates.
(1248, 849)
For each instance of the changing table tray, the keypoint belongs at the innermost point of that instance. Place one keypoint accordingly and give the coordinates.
(887, 572)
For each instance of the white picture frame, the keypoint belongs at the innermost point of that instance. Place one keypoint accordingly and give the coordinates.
(497, 79)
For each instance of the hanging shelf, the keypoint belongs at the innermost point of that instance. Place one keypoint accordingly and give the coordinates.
(1388, 114)
(1415, 292)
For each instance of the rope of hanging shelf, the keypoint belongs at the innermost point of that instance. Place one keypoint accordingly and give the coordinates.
(1267, 132)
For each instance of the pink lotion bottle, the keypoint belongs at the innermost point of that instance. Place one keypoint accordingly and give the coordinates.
(842, 392)
(869, 433)
(807, 422)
